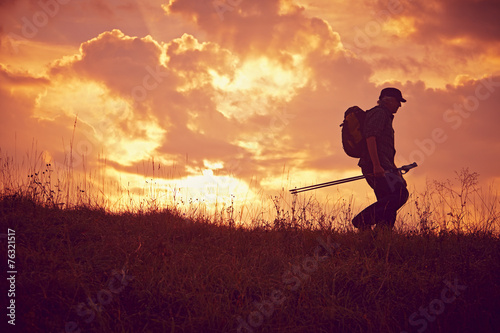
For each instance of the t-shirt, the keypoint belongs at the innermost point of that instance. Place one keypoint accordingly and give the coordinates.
(378, 123)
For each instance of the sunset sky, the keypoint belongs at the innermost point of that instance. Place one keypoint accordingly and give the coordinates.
(248, 95)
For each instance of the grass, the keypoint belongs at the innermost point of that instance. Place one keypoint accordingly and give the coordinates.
(181, 275)
(84, 268)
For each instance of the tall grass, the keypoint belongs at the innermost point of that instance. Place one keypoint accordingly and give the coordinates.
(85, 266)
(458, 205)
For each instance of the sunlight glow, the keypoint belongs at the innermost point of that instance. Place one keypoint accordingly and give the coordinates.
(205, 188)
(31, 56)
(258, 85)
(213, 165)
(287, 7)
(400, 26)
(104, 120)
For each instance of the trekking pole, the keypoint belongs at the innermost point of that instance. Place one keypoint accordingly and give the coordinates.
(404, 169)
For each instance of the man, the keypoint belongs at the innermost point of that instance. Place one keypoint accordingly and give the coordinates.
(377, 164)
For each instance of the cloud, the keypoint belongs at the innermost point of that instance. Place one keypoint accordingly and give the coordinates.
(254, 89)
(174, 113)
(407, 40)
(216, 101)
(254, 27)
(118, 61)
(24, 136)
(294, 42)
(11, 79)
(447, 129)
(476, 20)
(60, 21)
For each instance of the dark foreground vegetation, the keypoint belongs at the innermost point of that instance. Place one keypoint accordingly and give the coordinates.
(87, 270)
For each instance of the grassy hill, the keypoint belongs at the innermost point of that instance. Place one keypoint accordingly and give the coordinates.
(87, 270)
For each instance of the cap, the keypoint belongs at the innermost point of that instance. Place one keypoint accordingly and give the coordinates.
(392, 92)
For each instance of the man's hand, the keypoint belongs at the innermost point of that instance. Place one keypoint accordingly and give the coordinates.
(378, 171)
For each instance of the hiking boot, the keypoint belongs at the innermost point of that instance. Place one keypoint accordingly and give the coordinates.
(382, 227)
(358, 222)
(365, 228)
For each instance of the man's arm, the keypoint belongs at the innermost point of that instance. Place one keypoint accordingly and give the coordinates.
(371, 144)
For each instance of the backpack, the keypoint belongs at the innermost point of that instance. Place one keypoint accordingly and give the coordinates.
(353, 141)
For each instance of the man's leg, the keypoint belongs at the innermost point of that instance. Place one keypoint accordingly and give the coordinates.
(367, 217)
(391, 194)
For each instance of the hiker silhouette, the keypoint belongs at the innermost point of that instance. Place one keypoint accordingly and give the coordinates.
(377, 164)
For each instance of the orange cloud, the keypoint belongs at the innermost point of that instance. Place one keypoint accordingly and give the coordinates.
(254, 27)
(9, 79)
